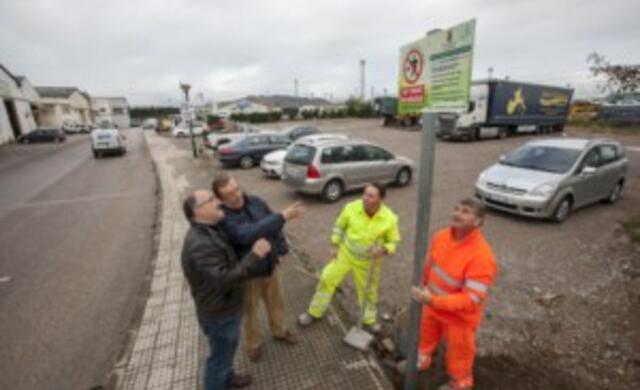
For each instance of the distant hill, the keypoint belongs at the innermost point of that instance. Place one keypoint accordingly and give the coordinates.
(282, 101)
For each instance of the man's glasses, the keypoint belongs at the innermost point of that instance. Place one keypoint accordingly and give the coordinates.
(204, 202)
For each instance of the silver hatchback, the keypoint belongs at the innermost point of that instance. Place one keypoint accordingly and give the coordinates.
(331, 167)
(550, 178)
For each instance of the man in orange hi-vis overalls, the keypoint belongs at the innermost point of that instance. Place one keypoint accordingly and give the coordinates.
(458, 272)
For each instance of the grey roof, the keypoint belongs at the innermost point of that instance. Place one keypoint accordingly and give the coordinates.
(15, 78)
(569, 143)
(280, 101)
(57, 92)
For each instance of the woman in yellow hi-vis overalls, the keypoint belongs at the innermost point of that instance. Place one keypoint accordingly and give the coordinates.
(365, 230)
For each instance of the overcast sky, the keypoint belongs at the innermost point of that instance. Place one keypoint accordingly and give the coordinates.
(230, 48)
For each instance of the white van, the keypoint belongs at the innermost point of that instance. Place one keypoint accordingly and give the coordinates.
(107, 141)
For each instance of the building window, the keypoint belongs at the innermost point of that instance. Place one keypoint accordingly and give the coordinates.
(66, 110)
(118, 111)
(103, 110)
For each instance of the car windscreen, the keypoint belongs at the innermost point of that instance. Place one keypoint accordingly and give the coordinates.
(300, 154)
(542, 158)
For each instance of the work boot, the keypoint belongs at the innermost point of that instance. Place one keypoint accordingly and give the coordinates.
(255, 354)
(239, 381)
(305, 319)
(289, 338)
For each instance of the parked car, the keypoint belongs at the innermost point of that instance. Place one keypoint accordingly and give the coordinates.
(214, 140)
(43, 135)
(296, 132)
(273, 163)
(149, 124)
(182, 129)
(550, 178)
(248, 151)
(331, 167)
(107, 141)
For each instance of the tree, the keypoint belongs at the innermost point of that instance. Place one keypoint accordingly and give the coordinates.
(618, 79)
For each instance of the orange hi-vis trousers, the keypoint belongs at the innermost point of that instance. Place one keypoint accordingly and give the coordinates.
(461, 345)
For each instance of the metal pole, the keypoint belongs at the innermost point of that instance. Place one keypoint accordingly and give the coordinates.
(193, 140)
(425, 184)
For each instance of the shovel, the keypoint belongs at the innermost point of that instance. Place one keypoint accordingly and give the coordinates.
(357, 337)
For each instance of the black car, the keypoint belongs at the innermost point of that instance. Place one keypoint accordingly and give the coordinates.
(295, 132)
(248, 151)
(43, 135)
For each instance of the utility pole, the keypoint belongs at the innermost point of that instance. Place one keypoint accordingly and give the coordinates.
(185, 88)
(491, 73)
(296, 85)
(362, 83)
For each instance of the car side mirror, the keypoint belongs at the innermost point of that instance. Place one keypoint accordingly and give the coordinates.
(587, 170)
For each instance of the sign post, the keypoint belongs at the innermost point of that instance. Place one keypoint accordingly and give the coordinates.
(446, 67)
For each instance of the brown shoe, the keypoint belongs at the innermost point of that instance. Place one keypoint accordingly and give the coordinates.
(239, 381)
(289, 338)
(255, 354)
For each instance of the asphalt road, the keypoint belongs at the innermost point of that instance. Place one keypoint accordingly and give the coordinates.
(75, 247)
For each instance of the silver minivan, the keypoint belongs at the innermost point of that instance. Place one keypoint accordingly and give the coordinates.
(333, 166)
(550, 178)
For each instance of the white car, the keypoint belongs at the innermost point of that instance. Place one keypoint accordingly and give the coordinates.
(182, 130)
(273, 163)
(107, 141)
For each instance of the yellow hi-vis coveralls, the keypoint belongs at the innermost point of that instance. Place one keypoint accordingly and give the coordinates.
(356, 234)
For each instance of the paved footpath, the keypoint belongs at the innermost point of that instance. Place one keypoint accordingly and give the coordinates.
(169, 350)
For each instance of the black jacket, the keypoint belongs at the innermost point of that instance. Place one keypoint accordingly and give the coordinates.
(254, 221)
(214, 271)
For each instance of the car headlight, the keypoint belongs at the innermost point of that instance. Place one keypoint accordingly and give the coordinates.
(482, 179)
(544, 190)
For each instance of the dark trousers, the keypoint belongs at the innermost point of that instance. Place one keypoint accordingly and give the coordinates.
(223, 335)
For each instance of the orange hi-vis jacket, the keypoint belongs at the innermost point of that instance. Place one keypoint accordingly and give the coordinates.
(458, 274)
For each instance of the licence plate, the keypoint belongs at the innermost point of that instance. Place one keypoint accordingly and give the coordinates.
(103, 144)
(499, 198)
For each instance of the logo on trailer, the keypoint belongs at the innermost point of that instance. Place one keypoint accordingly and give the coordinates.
(413, 66)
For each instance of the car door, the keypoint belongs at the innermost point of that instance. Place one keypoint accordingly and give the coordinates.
(609, 169)
(258, 146)
(277, 142)
(379, 167)
(587, 187)
(356, 166)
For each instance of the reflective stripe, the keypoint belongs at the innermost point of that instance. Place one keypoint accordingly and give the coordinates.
(475, 285)
(358, 250)
(337, 231)
(444, 276)
(435, 289)
(475, 298)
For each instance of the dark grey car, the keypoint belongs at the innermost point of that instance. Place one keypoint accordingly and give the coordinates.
(249, 150)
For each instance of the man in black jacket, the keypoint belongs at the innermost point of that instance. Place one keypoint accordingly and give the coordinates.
(217, 279)
(247, 219)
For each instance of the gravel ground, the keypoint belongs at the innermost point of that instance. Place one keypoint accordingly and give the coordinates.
(564, 310)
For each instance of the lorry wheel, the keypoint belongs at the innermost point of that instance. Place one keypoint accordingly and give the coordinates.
(332, 191)
(503, 133)
(563, 210)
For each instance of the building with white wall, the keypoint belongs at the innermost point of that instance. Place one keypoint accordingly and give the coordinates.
(63, 105)
(243, 106)
(18, 101)
(114, 110)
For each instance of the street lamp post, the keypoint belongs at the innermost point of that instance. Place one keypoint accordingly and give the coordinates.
(185, 88)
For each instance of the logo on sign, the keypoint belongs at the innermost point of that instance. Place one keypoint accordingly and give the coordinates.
(413, 65)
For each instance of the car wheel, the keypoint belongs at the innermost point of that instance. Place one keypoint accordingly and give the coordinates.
(246, 162)
(615, 194)
(563, 210)
(96, 154)
(403, 177)
(332, 191)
